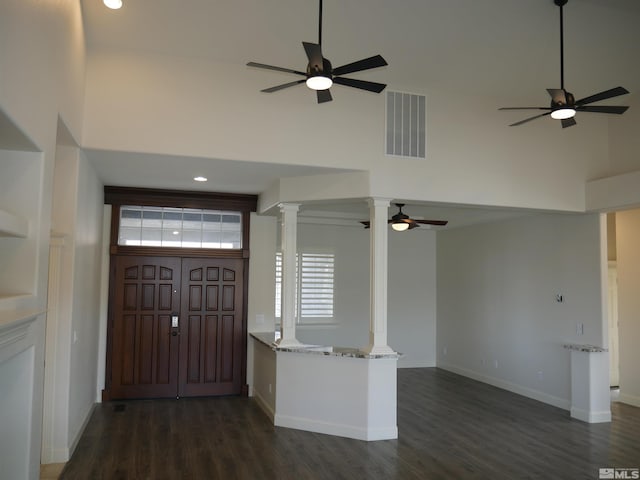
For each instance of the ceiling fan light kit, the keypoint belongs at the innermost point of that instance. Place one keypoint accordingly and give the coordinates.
(563, 113)
(563, 104)
(320, 75)
(319, 82)
(113, 4)
(400, 226)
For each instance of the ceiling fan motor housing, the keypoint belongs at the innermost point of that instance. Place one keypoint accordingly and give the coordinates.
(570, 101)
(314, 70)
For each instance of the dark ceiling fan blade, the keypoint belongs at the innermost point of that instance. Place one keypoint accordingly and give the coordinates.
(364, 64)
(568, 122)
(284, 85)
(366, 223)
(314, 54)
(614, 92)
(362, 84)
(324, 96)
(277, 69)
(558, 95)
(525, 108)
(602, 109)
(432, 222)
(529, 119)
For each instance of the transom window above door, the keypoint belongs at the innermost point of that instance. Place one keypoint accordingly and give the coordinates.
(179, 227)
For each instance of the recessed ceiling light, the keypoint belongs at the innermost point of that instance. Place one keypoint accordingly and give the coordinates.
(113, 4)
(176, 232)
(200, 179)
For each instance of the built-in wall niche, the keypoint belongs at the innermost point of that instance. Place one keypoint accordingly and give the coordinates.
(20, 193)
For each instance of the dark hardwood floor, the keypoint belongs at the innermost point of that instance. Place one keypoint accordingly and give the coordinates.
(449, 427)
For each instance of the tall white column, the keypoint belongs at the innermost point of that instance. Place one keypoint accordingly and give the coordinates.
(378, 213)
(289, 219)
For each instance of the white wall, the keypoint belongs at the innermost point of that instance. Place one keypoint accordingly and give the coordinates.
(77, 215)
(264, 368)
(262, 287)
(42, 58)
(262, 268)
(627, 240)
(497, 286)
(204, 109)
(412, 296)
(86, 298)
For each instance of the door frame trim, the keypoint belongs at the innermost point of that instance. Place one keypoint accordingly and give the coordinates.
(118, 196)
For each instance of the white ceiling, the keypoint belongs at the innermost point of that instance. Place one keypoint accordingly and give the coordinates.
(504, 49)
(501, 48)
(177, 172)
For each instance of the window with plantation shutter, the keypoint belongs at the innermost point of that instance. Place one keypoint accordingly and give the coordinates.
(314, 287)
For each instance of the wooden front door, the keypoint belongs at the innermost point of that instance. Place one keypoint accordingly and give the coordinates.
(201, 354)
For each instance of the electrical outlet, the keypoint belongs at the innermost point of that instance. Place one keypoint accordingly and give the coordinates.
(259, 319)
(495, 364)
(540, 376)
(580, 328)
(444, 351)
(270, 389)
(483, 361)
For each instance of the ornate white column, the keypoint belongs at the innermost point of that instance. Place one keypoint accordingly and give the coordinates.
(378, 213)
(289, 219)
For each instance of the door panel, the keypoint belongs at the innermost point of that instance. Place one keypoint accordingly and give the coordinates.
(211, 341)
(145, 354)
(204, 354)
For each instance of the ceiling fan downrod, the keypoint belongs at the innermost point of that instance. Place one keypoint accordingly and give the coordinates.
(320, 25)
(561, 3)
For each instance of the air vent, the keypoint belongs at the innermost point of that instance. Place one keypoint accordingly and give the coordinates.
(406, 126)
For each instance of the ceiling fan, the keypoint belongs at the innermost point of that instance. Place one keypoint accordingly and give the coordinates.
(563, 104)
(320, 75)
(401, 221)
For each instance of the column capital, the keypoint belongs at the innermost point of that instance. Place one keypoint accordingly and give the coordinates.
(289, 207)
(379, 201)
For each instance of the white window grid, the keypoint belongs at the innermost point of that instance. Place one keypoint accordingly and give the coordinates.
(179, 227)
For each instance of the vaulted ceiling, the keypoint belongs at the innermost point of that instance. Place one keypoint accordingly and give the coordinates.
(506, 50)
(503, 48)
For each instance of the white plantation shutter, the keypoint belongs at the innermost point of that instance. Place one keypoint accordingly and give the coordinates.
(314, 292)
(316, 285)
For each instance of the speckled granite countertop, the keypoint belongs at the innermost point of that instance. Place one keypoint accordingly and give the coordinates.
(584, 348)
(268, 339)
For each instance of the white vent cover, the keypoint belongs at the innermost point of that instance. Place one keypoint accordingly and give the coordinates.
(406, 125)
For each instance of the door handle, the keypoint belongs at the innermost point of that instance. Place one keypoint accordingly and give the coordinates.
(175, 319)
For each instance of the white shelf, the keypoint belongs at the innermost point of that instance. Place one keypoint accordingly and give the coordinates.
(13, 226)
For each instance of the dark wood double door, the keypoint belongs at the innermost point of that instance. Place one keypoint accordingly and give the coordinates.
(177, 327)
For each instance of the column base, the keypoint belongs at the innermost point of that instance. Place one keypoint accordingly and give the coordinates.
(379, 350)
(287, 343)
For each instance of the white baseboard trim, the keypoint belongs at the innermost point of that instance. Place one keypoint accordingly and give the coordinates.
(590, 417)
(629, 399)
(511, 387)
(340, 430)
(266, 408)
(56, 455)
(85, 422)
